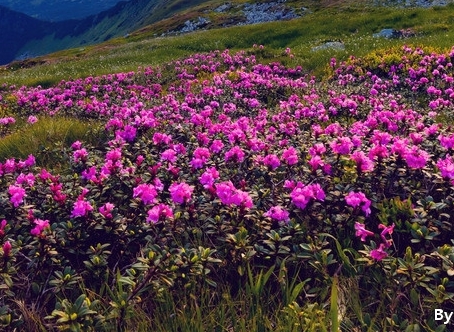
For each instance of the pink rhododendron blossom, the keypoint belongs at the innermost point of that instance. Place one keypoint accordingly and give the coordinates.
(180, 192)
(301, 195)
(362, 232)
(9, 166)
(229, 195)
(289, 184)
(128, 133)
(272, 161)
(160, 138)
(81, 208)
(416, 158)
(76, 145)
(216, 146)
(32, 119)
(169, 155)
(146, 192)
(316, 162)
(446, 167)
(28, 179)
(277, 213)
(363, 163)
(17, 195)
(30, 161)
(7, 249)
(159, 212)
(40, 226)
(358, 200)
(446, 141)
(379, 253)
(225, 191)
(342, 145)
(387, 230)
(2, 227)
(113, 155)
(317, 149)
(378, 152)
(159, 186)
(235, 154)
(80, 155)
(106, 210)
(290, 156)
(242, 198)
(208, 177)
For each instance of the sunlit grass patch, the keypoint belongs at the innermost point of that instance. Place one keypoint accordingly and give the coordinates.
(47, 139)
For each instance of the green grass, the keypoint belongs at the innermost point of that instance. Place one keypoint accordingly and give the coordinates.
(47, 139)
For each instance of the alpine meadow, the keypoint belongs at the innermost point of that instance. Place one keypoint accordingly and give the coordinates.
(286, 175)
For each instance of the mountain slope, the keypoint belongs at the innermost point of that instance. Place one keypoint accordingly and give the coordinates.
(17, 28)
(23, 36)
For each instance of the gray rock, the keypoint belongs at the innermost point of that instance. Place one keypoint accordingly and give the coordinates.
(388, 34)
(333, 45)
(193, 25)
(267, 12)
(223, 8)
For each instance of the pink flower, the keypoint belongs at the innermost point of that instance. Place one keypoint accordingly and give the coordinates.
(113, 155)
(387, 230)
(169, 155)
(241, 198)
(416, 158)
(380, 253)
(81, 208)
(2, 227)
(159, 212)
(76, 145)
(106, 210)
(358, 199)
(290, 156)
(29, 179)
(32, 119)
(379, 151)
(446, 141)
(160, 138)
(17, 194)
(208, 177)
(363, 162)
(277, 213)
(446, 167)
(342, 145)
(146, 192)
(229, 195)
(301, 195)
(216, 146)
(234, 154)
(128, 133)
(272, 161)
(225, 191)
(316, 162)
(181, 192)
(80, 155)
(362, 232)
(30, 161)
(317, 150)
(40, 226)
(7, 249)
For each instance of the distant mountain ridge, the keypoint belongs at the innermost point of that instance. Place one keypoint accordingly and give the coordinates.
(59, 10)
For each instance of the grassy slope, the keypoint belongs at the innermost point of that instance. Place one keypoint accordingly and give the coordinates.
(351, 24)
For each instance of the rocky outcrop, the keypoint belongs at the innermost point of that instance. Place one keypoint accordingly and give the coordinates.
(267, 12)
